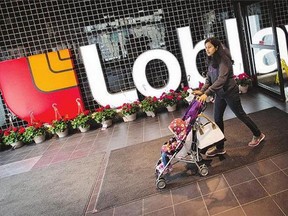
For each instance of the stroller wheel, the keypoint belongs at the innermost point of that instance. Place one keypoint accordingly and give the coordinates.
(203, 170)
(161, 183)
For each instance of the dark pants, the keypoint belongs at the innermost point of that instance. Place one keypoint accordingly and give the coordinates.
(234, 102)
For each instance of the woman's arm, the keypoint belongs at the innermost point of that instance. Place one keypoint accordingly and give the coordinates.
(225, 67)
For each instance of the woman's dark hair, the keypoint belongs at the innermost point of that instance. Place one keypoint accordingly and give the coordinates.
(222, 52)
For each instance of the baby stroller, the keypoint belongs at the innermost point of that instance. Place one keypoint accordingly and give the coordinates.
(193, 124)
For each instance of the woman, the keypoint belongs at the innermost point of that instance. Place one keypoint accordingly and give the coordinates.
(220, 82)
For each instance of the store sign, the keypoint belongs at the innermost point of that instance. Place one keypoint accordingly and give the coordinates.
(265, 59)
(36, 86)
(189, 53)
(32, 85)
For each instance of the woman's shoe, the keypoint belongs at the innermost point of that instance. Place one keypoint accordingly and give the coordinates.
(214, 152)
(256, 140)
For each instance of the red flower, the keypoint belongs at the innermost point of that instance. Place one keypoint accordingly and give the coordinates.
(6, 133)
(103, 113)
(66, 117)
(100, 109)
(129, 108)
(185, 88)
(200, 85)
(86, 112)
(243, 79)
(170, 97)
(21, 130)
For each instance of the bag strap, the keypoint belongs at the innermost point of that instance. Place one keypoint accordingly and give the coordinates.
(214, 126)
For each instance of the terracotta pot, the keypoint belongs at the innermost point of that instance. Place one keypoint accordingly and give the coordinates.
(129, 118)
(171, 108)
(39, 139)
(243, 89)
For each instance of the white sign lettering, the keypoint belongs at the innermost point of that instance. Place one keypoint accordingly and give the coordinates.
(139, 72)
(189, 52)
(97, 82)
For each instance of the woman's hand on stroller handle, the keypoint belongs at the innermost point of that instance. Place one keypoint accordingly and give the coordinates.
(200, 96)
(197, 92)
(193, 94)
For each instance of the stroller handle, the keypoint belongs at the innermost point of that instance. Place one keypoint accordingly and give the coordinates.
(204, 106)
(192, 96)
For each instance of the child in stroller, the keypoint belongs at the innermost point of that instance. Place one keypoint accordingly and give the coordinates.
(166, 151)
(180, 129)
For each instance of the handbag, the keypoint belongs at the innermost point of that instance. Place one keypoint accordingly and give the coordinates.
(208, 133)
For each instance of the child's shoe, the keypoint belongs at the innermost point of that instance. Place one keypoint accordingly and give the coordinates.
(160, 168)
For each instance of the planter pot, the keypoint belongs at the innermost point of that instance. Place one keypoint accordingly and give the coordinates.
(84, 129)
(150, 113)
(63, 133)
(129, 118)
(243, 89)
(106, 124)
(4, 147)
(17, 144)
(171, 108)
(39, 139)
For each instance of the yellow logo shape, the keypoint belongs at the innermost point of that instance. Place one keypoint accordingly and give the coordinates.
(53, 71)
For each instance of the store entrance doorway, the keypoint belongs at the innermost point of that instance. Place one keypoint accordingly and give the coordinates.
(265, 46)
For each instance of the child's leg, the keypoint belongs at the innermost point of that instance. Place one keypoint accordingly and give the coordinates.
(164, 158)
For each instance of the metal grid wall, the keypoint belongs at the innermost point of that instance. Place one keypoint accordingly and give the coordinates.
(38, 26)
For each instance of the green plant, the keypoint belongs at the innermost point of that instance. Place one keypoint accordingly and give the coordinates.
(81, 120)
(33, 130)
(149, 103)
(12, 135)
(103, 113)
(243, 79)
(170, 98)
(129, 108)
(28, 135)
(59, 125)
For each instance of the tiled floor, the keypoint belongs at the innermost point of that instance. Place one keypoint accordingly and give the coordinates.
(256, 189)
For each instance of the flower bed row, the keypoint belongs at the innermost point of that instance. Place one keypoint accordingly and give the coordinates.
(84, 119)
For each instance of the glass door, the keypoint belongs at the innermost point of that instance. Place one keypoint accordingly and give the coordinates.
(263, 45)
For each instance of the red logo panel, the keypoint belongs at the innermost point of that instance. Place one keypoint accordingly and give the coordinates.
(34, 84)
